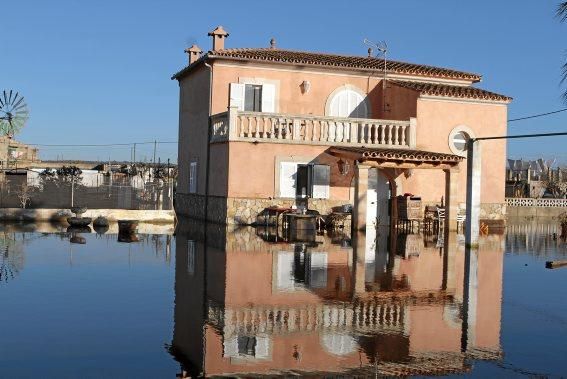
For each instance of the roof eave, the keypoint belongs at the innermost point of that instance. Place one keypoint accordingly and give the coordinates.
(474, 78)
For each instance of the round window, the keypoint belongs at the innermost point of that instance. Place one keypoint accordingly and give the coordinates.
(458, 139)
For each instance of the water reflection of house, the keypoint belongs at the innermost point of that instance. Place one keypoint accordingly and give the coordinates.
(326, 308)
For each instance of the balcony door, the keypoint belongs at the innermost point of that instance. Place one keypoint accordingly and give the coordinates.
(347, 102)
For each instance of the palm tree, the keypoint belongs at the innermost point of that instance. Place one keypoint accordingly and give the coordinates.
(561, 13)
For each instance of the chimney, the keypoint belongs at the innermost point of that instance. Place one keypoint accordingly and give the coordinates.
(194, 53)
(219, 35)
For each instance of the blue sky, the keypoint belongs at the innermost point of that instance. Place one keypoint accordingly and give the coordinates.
(99, 72)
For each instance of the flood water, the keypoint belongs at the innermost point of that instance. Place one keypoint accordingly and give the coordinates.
(209, 302)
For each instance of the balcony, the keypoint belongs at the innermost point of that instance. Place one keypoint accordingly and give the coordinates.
(235, 125)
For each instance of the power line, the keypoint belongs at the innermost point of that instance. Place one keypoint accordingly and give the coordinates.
(537, 115)
(102, 144)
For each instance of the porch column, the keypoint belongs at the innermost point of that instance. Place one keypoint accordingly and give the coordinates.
(360, 199)
(451, 198)
(473, 193)
(359, 257)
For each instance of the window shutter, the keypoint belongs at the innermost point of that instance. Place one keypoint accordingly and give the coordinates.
(321, 179)
(262, 348)
(268, 98)
(288, 172)
(285, 280)
(237, 95)
(231, 347)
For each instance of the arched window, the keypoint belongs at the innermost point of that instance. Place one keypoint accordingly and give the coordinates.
(347, 101)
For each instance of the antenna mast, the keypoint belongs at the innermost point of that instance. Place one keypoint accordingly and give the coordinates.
(382, 48)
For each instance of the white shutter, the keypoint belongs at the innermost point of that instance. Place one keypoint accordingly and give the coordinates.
(288, 173)
(348, 103)
(262, 348)
(268, 98)
(321, 180)
(285, 279)
(230, 347)
(237, 95)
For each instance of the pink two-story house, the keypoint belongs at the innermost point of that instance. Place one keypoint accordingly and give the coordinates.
(260, 127)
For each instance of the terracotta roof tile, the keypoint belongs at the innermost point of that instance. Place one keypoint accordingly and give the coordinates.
(338, 61)
(407, 155)
(445, 90)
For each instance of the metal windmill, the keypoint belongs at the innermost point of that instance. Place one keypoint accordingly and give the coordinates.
(382, 50)
(13, 113)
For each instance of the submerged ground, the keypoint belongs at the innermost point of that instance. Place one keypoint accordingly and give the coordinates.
(210, 302)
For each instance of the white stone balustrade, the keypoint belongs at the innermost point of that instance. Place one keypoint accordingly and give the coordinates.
(366, 316)
(237, 125)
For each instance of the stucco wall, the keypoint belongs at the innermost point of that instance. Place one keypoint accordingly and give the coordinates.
(193, 124)
(289, 98)
(435, 121)
(253, 168)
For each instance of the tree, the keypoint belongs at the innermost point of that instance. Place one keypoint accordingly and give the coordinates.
(69, 174)
(24, 193)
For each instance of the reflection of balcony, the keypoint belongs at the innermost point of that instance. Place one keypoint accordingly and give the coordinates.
(363, 317)
(236, 125)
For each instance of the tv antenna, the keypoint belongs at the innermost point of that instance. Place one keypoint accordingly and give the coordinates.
(382, 50)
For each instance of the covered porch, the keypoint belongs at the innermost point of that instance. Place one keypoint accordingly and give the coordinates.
(393, 162)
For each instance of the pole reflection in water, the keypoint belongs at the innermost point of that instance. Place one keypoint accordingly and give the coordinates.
(384, 304)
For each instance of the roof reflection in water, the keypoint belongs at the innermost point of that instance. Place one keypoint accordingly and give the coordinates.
(384, 304)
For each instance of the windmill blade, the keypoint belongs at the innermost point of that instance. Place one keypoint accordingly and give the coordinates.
(1, 103)
(18, 100)
(5, 97)
(10, 98)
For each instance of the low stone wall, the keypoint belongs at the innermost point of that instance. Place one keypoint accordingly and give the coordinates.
(240, 211)
(536, 208)
(152, 216)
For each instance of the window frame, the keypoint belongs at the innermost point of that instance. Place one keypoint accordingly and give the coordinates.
(193, 173)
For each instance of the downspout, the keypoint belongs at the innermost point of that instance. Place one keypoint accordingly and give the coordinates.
(209, 126)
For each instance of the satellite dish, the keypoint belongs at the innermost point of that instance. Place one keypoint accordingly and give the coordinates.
(13, 113)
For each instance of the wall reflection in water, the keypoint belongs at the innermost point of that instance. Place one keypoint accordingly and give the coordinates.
(377, 304)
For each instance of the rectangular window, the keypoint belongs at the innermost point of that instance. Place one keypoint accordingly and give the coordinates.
(253, 98)
(300, 180)
(193, 177)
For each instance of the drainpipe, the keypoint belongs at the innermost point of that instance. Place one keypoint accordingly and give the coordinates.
(208, 139)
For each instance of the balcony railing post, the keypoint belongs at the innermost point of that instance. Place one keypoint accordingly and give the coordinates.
(412, 138)
(296, 129)
(354, 132)
(232, 122)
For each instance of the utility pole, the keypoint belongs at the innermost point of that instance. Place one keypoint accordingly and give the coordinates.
(155, 146)
(134, 159)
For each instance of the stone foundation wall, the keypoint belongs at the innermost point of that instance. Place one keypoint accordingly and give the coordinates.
(245, 211)
(240, 211)
(493, 211)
